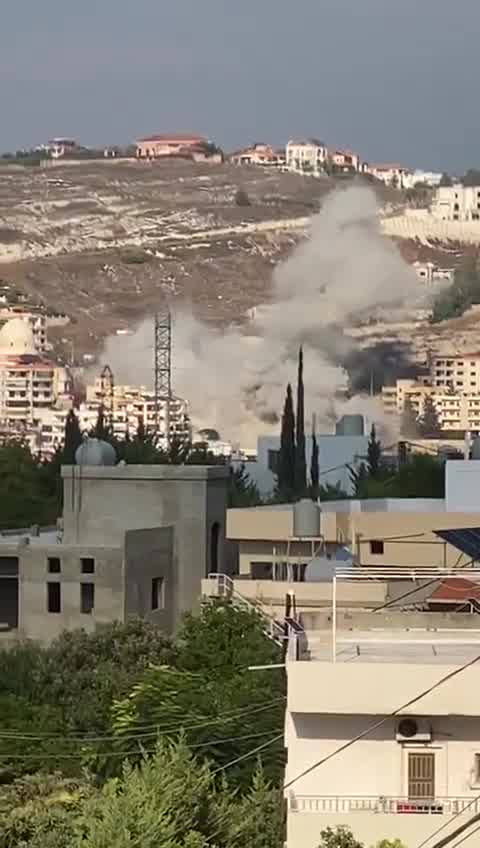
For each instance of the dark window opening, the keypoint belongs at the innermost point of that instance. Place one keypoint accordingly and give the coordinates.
(158, 601)
(54, 597)
(54, 565)
(87, 598)
(261, 570)
(88, 565)
(8, 566)
(273, 460)
(376, 547)
(8, 603)
(214, 544)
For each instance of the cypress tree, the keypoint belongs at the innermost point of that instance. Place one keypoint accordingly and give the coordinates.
(374, 453)
(286, 462)
(73, 438)
(314, 465)
(300, 461)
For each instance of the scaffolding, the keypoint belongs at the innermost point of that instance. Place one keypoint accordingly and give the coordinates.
(163, 370)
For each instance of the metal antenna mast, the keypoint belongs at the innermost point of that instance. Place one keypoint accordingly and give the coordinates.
(163, 369)
(107, 389)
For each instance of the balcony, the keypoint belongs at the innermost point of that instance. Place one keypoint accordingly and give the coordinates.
(382, 804)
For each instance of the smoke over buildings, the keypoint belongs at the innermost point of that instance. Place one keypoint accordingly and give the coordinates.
(235, 379)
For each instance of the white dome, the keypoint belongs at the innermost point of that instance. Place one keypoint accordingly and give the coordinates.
(95, 452)
(16, 337)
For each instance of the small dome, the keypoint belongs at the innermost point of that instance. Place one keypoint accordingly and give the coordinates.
(16, 337)
(95, 452)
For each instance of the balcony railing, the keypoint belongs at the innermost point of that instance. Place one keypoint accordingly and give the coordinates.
(382, 804)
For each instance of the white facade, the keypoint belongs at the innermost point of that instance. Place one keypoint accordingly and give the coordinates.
(457, 203)
(429, 273)
(430, 179)
(306, 155)
(392, 175)
(454, 386)
(388, 784)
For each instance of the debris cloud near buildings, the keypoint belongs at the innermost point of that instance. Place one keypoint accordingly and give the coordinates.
(235, 379)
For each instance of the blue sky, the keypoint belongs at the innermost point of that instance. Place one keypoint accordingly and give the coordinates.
(395, 79)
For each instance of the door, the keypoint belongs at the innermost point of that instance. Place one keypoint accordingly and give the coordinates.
(421, 777)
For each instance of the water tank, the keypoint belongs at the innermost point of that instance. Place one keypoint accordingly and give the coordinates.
(306, 519)
(475, 454)
(95, 452)
(350, 425)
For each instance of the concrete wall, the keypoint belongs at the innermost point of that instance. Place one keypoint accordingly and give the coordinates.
(35, 622)
(375, 767)
(462, 487)
(358, 688)
(149, 555)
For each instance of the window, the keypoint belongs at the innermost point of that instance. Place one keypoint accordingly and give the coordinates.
(54, 597)
(421, 777)
(476, 770)
(273, 460)
(87, 598)
(376, 547)
(88, 565)
(54, 565)
(158, 600)
(261, 570)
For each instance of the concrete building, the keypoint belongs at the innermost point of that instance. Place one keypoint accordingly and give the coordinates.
(60, 147)
(29, 382)
(456, 203)
(392, 175)
(430, 273)
(404, 776)
(430, 179)
(158, 146)
(259, 154)
(346, 160)
(134, 540)
(337, 452)
(306, 156)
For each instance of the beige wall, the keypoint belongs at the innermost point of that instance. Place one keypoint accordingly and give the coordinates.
(412, 540)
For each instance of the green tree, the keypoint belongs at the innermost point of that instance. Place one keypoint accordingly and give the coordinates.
(286, 460)
(332, 492)
(73, 439)
(102, 430)
(314, 465)
(211, 695)
(338, 837)
(446, 181)
(374, 454)
(429, 425)
(358, 479)
(26, 496)
(409, 424)
(242, 491)
(300, 460)
(390, 843)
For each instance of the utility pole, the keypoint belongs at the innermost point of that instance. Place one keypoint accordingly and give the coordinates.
(163, 369)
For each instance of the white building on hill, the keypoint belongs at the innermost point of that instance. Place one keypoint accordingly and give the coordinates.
(306, 156)
(456, 203)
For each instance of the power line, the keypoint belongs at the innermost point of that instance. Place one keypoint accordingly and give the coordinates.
(155, 728)
(250, 753)
(129, 752)
(419, 588)
(382, 721)
(449, 821)
(467, 836)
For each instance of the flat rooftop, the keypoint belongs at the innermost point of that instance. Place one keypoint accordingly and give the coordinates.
(419, 648)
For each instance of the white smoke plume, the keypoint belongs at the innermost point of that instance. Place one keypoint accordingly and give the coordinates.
(235, 380)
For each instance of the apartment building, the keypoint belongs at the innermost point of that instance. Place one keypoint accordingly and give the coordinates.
(430, 273)
(405, 776)
(346, 160)
(127, 405)
(133, 541)
(29, 382)
(456, 203)
(306, 156)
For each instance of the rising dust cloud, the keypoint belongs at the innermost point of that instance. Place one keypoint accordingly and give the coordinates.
(235, 379)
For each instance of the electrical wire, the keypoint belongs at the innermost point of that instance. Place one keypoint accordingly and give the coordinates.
(226, 717)
(449, 821)
(419, 588)
(129, 752)
(382, 721)
(464, 838)
(249, 753)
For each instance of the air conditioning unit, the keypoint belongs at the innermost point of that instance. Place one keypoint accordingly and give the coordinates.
(413, 730)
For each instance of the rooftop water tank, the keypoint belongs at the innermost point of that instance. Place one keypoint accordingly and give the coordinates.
(95, 452)
(306, 519)
(350, 425)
